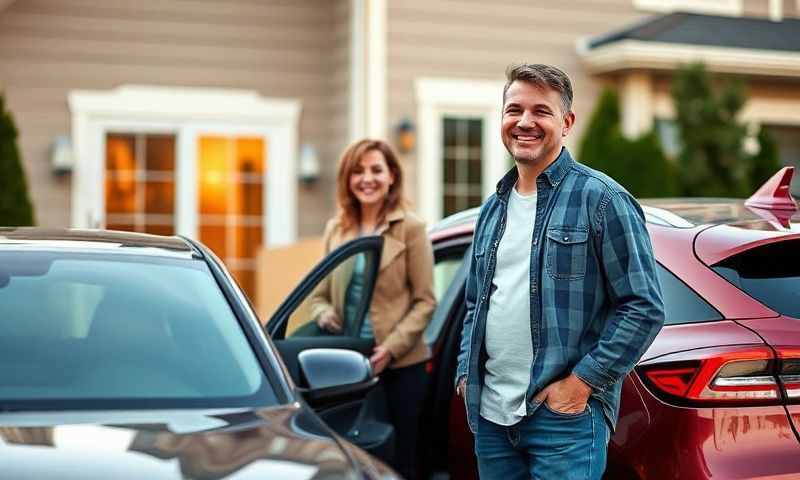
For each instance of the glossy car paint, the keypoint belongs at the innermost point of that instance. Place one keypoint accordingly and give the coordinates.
(654, 439)
(278, 443)
(702, 443)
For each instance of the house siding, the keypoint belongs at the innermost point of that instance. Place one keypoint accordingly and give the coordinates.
(466, 39)
(280, 49)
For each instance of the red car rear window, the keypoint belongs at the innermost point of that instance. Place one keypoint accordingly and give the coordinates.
(769, 273)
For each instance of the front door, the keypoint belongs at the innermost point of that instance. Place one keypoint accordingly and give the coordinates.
(144, 182)
(230, 200)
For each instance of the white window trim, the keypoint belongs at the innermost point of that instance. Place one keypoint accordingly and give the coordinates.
(357, 70)
(447, 97)
(368, 81)
(188, 113)
(733, 8)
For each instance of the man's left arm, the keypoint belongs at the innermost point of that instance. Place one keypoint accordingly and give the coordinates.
(629, 267)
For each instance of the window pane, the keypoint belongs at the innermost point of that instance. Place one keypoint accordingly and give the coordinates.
(461, 162)
(159, 229)
(449, 170)
(248, 240)
(444, 271)
(769, 273)
(120, 152)
(214, 173)
(450, 204)
(120, 181)
(251, 199)
(139, 180)
(450, 132)
(160, 153)
(245, 278)
(231, 198)
(342, 293)
(213, 237)
(250, 155)
(474, 176)
(681, 303)
(475, 133)
(159, 197)
(474, 201)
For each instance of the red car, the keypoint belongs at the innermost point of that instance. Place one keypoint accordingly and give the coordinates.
(717, 395)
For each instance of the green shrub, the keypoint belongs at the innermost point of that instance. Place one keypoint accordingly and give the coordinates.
(15, 205)
(639, 165)
(712, 160)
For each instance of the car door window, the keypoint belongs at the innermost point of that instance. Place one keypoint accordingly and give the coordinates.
(341, 285)
(448, 273)
(343, 293)
(681, 303)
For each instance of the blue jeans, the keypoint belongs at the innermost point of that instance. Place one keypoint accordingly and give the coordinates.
(544, 446)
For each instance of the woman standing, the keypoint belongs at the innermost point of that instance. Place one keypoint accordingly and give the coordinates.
(370, 201)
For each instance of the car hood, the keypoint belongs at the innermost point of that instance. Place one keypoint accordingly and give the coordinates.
(276, 443)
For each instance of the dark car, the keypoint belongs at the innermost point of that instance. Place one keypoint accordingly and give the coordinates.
(717, 395)
(136, 356)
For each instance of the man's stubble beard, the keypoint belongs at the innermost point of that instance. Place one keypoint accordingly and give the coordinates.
(529, 159)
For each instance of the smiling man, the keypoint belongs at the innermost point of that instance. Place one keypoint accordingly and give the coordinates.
(562, 297)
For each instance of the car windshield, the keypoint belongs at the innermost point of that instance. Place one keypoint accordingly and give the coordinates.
(769, 273)
(93, 330)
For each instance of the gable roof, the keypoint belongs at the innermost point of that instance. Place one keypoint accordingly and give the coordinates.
(709, 30)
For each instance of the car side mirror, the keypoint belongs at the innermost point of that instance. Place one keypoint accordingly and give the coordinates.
(334, 375)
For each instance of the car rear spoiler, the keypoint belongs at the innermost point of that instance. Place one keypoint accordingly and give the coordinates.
(773, 201)
(775, 193)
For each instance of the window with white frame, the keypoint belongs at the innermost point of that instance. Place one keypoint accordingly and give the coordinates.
(711, 7)
(462, 152)
(140, 183)
(193, 162)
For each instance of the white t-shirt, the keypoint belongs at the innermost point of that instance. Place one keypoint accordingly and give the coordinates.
(508, 328)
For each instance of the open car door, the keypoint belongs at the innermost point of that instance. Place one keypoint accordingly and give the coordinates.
(342, 283)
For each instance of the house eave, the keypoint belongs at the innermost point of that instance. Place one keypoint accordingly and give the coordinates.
(645, 55)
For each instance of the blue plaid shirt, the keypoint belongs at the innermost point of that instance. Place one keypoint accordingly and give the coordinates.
(595, 297)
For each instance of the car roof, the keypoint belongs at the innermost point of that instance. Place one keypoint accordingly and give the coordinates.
(727, 223)
(106, 241)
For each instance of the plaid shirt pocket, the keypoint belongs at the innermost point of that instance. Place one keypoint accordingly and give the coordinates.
(566, 250)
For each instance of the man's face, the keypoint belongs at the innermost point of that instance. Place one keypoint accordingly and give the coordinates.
(533, 126)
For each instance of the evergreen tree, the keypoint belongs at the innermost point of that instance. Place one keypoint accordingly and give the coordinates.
(711, 160)
(639, 165)
(764, 163)
(15, 205)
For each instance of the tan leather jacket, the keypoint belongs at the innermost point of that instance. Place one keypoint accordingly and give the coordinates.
(403, 300)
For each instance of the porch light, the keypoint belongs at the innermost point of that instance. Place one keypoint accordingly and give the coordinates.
(406, 136)
(309, 170)
(61, 157)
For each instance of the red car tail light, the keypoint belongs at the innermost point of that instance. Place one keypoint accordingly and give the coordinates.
(720, 376)
(790, 372)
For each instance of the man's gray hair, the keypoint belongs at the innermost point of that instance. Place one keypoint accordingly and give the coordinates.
(541, 76)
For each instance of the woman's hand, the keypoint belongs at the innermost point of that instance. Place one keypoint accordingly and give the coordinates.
(380, 359)
(330, 322)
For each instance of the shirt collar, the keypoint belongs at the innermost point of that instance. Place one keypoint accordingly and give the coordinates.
(554, 173)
